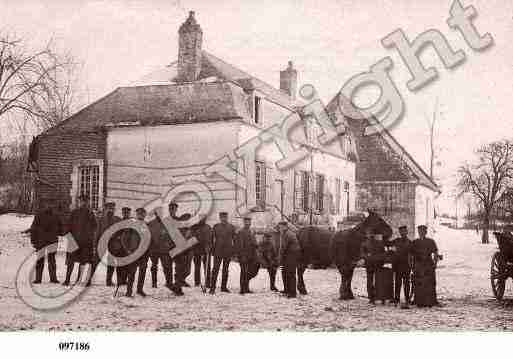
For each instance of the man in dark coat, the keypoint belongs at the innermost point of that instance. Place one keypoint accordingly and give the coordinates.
(83, 227)
(288, 254)
(224, 234)
(108, 219)
(346, 252)
(44, 231)
(374, 254)
(130, 241)
(161, 244)
(245, 249)
(201, 251)
(270, 259)
(401, 265)
(182, 261)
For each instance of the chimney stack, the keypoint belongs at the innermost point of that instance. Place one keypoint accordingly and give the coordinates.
(189, 50)
(288, 81)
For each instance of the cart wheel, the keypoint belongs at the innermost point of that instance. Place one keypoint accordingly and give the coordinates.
(498, 276)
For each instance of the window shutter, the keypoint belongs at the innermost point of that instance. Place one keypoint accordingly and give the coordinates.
(298, 191)
(269, 185)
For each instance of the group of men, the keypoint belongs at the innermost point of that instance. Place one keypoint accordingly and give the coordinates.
(389, 265)
(222, 242)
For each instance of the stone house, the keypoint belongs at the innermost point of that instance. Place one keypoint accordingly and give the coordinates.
(175, 125)
(388, 179)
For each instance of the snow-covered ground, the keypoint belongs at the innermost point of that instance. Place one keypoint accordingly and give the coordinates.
(463, 287)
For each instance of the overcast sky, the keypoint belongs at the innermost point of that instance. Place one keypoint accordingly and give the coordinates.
(120, 41)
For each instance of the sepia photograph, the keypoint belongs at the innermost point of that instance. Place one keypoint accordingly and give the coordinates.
(290, 166)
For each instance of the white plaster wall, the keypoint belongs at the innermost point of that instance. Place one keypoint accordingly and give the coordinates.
(424, 207)
(143, 162)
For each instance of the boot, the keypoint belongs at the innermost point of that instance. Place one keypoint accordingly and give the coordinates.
(110, 274)
(52, 269)
(128, 292)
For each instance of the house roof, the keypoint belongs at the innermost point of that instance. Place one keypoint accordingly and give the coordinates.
(220, 93)
(382, 157)
(160, 104)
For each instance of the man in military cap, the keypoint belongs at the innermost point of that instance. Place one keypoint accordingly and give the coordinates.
(401, 266)
(246, 251)
(131, 242)
(201, 251)
(107, 220)
(182, 261)
(270, 258)
(44, 231)
(83, 225)
(288, 253)
(224, 234)
(161, 244)
(373, 251)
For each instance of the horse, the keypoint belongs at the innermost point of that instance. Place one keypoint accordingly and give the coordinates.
(318, 246)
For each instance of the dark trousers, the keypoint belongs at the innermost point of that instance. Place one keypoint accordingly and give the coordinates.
(215, 272)
(244, 277)
(200, 259)
(141, 264)
(272, 277)
(183, 263)
(288, 273)
(167, 268)
(346, 277)
(371, 277)
(121, 273)
(401, 278)
(52, 267)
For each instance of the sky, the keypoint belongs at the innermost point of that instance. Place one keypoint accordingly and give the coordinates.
(329, 41)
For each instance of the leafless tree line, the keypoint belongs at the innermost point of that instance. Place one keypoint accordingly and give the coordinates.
(489, 178)
(37, 91)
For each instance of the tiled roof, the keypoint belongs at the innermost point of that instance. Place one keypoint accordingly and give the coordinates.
(382, 158)
(161, 104)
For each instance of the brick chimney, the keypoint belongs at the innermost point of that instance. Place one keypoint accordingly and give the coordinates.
(288, 81)
(190, 37)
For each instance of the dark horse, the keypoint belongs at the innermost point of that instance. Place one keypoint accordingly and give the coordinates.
(321, 247)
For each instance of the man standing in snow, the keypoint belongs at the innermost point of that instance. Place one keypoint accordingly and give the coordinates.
(130, 241)
(245, 249)
(401, 266)
(107, 220)
(224, 234)
(288, 254)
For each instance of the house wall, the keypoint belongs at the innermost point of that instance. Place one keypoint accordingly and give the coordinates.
(394, 201)
(144, 162)
(58, 154)
(425, 207)
(324, 163)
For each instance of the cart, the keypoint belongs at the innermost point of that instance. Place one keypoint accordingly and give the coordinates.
(501, 267)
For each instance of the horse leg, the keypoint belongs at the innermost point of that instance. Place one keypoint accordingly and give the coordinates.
(300, 280)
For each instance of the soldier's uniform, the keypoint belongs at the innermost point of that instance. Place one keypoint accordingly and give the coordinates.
(401, 266)
(224, 234)
(374, 254)
(107, 220)
(245, 248)
(159, 251)
(83, 227)
(270, 259)
(288, 253)
(130, 242)
(44, 231)
(201, 251)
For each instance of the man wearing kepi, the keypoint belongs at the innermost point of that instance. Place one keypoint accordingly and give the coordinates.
(224, 234)
(245, 249)
(107, 220)
(288, 253)
(44, 231)
(83, 229)
(401, 266)
(131, 241)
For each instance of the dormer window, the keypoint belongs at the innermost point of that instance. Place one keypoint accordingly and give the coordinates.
(257, 116)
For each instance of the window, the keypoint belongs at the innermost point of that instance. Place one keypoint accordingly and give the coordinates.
(258, 110)
(346, 190)
(305, 195)
(89, 184)
(338, 195)
(319, 190)
(260, 184)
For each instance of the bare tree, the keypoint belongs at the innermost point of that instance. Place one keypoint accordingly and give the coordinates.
(35, 86)
(488, 178)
